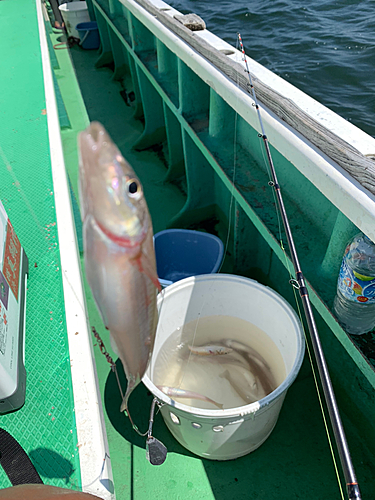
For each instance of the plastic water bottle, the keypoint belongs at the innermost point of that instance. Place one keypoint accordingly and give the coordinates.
(354, 304)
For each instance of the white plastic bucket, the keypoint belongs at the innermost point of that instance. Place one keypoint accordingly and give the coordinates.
(74, 13)
(229, 433)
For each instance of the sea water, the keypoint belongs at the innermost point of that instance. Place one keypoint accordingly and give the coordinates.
(325, 48)
(252, 368)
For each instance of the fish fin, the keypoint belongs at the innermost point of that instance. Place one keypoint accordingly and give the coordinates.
(224, 374)
(124, 408)
(129, 390)
(212, 401)
(124, 405)
(113, 345)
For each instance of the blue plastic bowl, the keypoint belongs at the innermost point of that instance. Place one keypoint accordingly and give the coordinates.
(181, 253)
(89, 35)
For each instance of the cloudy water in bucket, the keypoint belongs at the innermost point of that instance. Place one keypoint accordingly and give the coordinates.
(228, 362)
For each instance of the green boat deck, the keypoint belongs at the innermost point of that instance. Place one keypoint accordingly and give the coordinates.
(46, 424)
(295, 461)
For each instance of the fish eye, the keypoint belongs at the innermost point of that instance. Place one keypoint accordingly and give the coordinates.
(134, 188)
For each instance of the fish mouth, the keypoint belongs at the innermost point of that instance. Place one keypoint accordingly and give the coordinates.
(96, 130)
(94, 135)
(124, 241)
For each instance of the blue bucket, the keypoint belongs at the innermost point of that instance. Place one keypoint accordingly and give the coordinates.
(89, 35)
(181, 253)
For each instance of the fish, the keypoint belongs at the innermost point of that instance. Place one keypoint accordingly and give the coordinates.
(210, 350)
(257, 364)
(173, 392)
(244, 384)
(119, 252)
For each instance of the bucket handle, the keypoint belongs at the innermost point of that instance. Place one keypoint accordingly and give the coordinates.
(84, 38)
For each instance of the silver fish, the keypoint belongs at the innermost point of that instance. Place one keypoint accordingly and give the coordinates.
(258, 365)
(174, 392)
(210, 350)
(118, 251)
(244, 384)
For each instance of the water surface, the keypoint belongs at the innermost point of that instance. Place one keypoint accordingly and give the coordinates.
(325, 48)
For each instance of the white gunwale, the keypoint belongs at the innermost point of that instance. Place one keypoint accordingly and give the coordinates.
(96, 471)
(347, 194)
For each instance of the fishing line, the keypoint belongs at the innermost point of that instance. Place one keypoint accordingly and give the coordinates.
(291, 279)
(314, 374)
(109, 359)
(231, 192)
(55, 255)
(233, 178)
(53, 248)
(303, 328)
(227, 236)
(193, 341)
(353, 491)
(270, 183)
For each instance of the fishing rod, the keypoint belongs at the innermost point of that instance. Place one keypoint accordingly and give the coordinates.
(299, 283)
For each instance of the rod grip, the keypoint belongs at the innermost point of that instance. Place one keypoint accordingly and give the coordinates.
(353, 491)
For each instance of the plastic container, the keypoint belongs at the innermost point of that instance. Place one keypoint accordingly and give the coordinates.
(13, 289)
(181, 253)
(226, 434)
(89, 35)
(74, 13)
(354, 304)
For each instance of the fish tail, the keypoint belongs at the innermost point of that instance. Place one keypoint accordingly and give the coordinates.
(124, 408)
(124, 404)
(219, 405)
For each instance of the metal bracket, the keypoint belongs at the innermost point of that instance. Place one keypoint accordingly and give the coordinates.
(294, 284)
(156, 451)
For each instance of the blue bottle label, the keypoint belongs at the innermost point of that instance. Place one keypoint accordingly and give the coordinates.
(356, 287)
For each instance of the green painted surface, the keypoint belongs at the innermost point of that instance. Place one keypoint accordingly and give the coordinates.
(295, 461)
(313, 221)
(45, 426)
(63, 116)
